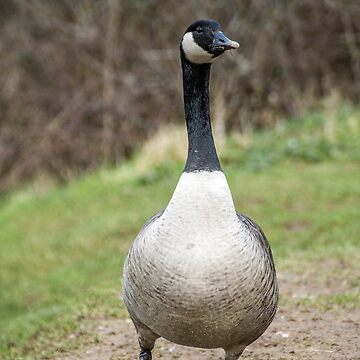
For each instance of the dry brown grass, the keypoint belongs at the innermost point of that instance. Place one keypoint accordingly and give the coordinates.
(85, 82)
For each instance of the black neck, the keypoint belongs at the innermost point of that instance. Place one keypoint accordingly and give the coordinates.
(201, 152)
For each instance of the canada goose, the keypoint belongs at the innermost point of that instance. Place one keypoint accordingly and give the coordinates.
(199, 273)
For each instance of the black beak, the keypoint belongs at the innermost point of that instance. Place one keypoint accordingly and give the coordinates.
(221, 42)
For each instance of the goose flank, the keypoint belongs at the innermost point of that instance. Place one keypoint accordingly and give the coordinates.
(200, 274)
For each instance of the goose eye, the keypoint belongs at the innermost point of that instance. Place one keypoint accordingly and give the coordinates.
(199, 30)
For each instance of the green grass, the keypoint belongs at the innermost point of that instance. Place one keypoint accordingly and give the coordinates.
(62, 250)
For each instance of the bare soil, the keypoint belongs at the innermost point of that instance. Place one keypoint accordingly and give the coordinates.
(295, 333)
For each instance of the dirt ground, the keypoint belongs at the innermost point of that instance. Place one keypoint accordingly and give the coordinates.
(297, 335)
(294, 333)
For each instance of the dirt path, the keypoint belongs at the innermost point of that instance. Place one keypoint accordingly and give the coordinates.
(293, 335)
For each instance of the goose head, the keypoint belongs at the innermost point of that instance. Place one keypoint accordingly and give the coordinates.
(204, 41)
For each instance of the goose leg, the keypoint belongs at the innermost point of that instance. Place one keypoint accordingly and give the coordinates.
(145, 355)
(146, 339)
(234, 352)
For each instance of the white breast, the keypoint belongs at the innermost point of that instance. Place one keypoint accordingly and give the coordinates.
(203, 201)
(198, 266)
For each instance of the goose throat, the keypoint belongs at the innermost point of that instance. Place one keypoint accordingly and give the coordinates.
(202, 154)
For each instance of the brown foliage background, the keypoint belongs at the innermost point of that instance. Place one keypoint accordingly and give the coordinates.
(84, 82)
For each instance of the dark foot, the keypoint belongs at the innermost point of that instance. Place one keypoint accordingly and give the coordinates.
(145, 355)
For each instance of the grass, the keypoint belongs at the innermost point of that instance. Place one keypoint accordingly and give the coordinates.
(62, 250)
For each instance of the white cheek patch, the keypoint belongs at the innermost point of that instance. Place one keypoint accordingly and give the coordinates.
(194, 52)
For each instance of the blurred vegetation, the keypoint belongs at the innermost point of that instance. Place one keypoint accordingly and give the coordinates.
(62, 249)
(83, 83)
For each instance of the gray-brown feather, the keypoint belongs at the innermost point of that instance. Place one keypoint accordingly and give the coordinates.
(215, 291)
